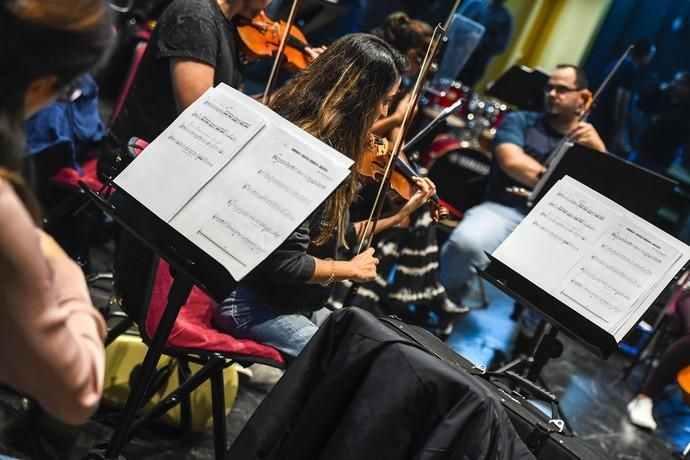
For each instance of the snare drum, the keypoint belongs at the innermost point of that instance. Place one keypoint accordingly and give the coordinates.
(459, 171)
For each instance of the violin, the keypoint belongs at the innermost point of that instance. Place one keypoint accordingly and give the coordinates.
(261, 38)
(373, 165)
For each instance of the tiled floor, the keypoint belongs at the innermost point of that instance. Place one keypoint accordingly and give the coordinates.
(592, 394)
(593, 400)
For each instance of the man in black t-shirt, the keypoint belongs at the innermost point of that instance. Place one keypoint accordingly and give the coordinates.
(193, 48)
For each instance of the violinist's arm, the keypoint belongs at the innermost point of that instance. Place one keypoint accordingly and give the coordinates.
(361, 268)
(190, 79)
(517, 164)
(384, 126)
(383, 223)
(425, 189)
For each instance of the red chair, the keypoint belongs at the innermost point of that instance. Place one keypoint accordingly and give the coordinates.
(185, 333)
(174, 318)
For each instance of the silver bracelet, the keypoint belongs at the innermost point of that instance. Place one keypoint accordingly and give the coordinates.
(332, 277)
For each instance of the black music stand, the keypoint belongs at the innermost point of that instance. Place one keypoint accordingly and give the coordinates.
(189, 266)
(641, 191)
(521, 87)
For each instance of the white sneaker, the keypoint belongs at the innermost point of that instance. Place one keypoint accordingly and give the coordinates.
(640, 412)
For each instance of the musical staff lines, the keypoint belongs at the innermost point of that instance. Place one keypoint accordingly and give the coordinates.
(266, 198)
(226, 112)
(570, 216)
(278, 158)
(246, 241)
(250, 216)
(611, 268)
(563, 225)
(275, 181)
(618, 237)
(630, 262)
(555, 236)
(214, 126)
(592, 295)
(580, 205)
(597, 279)
(190, 152)
(225, 250)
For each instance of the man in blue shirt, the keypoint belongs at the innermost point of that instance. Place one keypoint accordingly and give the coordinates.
(522, 144)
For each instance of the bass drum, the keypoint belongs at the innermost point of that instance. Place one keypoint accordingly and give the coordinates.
(460, 176)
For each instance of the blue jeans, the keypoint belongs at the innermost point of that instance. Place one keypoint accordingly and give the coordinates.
(245, 314)
(483, 228)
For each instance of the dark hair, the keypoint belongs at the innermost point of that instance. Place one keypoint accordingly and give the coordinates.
(37, 39)
(642, 48)
(336, 99)
(581, 80)
(405, 33)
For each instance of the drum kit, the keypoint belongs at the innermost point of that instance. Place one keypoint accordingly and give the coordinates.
(459, 159)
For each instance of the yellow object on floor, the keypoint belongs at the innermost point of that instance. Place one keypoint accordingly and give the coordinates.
(127, 352)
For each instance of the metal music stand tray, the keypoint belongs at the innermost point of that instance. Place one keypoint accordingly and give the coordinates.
(190, 266)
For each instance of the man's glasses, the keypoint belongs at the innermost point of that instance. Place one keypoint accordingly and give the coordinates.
(559, 89)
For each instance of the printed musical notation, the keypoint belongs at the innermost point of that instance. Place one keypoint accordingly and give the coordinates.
(210, 133)
(557, 236)
(554, 235)
(276, 182)
(227, 112)
(190, 152)
(593, 255)
(234, 177)
(581, 205)
(267, 199)
(265, 194)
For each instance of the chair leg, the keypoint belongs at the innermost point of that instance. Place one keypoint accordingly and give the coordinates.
(177, 296)
(185, 373)
(218, 405)
(117, 330)
(176, 396)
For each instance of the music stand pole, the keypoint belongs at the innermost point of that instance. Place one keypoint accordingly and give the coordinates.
(445, 113)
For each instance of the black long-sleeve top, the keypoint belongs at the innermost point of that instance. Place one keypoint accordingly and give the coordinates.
(282, 278)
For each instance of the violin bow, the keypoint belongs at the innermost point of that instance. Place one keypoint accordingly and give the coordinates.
(279, 56)
(436, 39)
(446, 25)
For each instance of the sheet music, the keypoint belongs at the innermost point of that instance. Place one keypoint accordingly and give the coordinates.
(254, 203)
(554, 236)
(234, 177)
(193, 149)
(593, 255)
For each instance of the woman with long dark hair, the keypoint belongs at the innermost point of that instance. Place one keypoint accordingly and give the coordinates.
(337, 99)
(51, 337)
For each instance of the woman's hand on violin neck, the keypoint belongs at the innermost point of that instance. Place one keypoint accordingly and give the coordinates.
(363, 267)
(425, 189)
(313, 53)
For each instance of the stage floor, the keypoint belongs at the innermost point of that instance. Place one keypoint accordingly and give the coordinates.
(593, 399)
